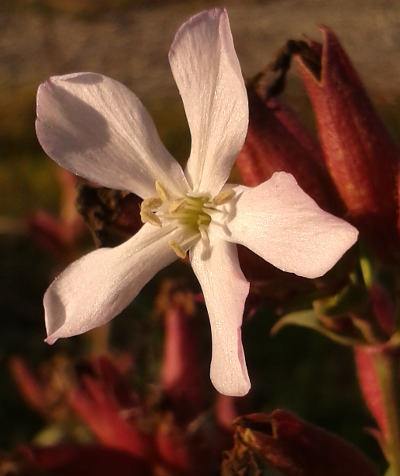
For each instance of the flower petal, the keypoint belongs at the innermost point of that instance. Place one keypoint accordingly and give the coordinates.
(282, 224)
(98, 129)
(98, 286)
(225, 290)
(206, 69)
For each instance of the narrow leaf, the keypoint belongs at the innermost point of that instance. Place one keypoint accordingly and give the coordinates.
(308, 318)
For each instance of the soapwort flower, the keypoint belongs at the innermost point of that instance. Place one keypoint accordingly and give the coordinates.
(95, 127)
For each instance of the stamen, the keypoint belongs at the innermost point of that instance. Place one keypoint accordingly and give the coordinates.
(147, 216)
(162, 192)
(203, 219)
(151, 203)
(212, 208)
(223, 196)
(179, 251)
(204, 234)
(193, 212)
(175, 205)
(146, 211)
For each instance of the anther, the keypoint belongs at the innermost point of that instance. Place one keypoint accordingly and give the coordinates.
(203, 219)
(146, 211)
(147, 216)
(151, 203)
(223, 196)
(204, 234)
(175, 205)
(162, 192)
(179, 251)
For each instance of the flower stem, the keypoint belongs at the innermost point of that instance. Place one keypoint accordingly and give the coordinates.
(388, 370)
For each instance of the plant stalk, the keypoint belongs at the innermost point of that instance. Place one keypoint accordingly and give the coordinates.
(387, 365)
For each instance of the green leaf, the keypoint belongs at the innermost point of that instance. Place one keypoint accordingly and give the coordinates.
(352, 298)
(309, 319)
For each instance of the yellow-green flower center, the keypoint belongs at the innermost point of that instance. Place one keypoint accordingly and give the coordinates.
(192, 212)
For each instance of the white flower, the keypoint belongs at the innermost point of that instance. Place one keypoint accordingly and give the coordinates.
(98, 129)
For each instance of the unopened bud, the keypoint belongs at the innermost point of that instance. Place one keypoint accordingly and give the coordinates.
(359, 153)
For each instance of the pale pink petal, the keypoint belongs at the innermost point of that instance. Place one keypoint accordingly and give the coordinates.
(97, 287)
(98, 129)
(206, 69)
(225, 290)
(282, 224)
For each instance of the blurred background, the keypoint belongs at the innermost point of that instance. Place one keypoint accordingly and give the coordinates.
(129, 41)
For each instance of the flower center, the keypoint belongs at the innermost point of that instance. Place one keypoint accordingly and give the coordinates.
(193, 212)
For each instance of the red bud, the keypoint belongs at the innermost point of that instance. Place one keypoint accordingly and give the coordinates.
(276, 140)
(29, 386)
(360, 155)
(293, 447)
(54, 234)
(370, 387)
(183, 374)
(175, 448)
(105, 407)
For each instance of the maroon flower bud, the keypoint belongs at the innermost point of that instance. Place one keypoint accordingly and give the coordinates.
(183, 375)
(192, 449)
(293, 447)
(277, 141)
(378, 370)
(33, 392)
(226, 410)
(370, 387)
(59, 234)
(176, 450)
(359, 153)
(53, 234)
(104, 405)
(46, 390)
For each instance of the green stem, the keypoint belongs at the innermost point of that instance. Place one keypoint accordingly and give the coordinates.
(388, 369)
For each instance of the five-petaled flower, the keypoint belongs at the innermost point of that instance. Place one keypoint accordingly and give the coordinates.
(95, 127)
